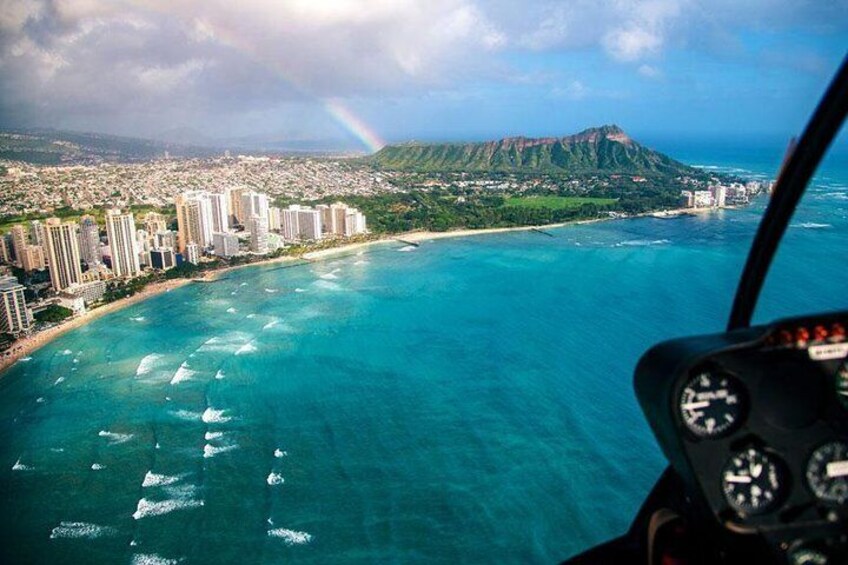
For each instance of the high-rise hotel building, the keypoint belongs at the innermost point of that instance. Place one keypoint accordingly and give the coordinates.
(121, 233)
(220, 212)
(194, 220)
(63, 253)
(15, 317)
(89, 241)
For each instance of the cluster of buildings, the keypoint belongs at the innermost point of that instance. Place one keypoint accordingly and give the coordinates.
(79, 260)
(721, 195)
(39, 189)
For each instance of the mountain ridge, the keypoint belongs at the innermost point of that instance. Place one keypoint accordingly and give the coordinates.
(598, 149)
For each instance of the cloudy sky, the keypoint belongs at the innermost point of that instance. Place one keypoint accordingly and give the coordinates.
(389, 70)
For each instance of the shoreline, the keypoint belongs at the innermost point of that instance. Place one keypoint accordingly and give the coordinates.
(30, 344)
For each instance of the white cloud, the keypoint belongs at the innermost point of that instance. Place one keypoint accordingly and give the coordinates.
(649, 71)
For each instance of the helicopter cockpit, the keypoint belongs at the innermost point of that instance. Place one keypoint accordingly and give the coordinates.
(753, 421)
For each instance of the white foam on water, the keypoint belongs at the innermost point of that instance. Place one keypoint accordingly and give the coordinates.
(212, 416)
(275, 479)
(97, 467)
(137, 319)
(327, 285)
(40, 400)
(211, 451)
(147, 508)
(360, 262)
(18, 466)
(57, 449)
(186, 415)
(182, 492)
(279, 453)
(271, 290)
(243, 284)
(407, 248)
(246, 348)
(133, 543)
(152, 559)
(183, 373)
(360, 253)
(152, 479)
(233, 293)
(81, 530)
(24, 359)
(75, 361)
(156, 446)
(147, 363)
(67, 352)
(812, 226)
(59, 381)
(329, 276)
(300, 290)
(231, 310)
(642, 243)
(290, 537)
(220, 374)
(115, 438)
(250, 316)
(209, 436)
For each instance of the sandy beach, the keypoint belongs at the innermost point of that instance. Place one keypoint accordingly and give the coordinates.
(28, 345)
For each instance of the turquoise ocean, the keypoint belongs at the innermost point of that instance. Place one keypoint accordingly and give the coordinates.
(469, 400)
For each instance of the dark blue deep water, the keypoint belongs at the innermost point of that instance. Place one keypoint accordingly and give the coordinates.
(466, 401)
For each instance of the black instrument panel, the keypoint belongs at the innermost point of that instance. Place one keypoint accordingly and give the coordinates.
(755, 422)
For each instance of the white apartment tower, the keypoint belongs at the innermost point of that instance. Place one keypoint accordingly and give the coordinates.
(258, 228)
(192, 253)
(121, 233)
(63, 253)
(14, 315)
(220, 212)
(254, 204)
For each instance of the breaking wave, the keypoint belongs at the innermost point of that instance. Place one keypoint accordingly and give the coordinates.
(212, 416)
(147, 363)
(642, 243)
(147, 508)
(78, 530)
(275, 479)
(18, 466)
(211, 450)
(152, 479)
(186, 415)
(220, 374)
(115, 438)
(279, 453)
(97, 467)
(152, 559)
(246, 348)
(290, 537)
(812, 226)
(183, 374)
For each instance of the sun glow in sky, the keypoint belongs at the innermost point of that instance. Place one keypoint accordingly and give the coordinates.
(362, 72)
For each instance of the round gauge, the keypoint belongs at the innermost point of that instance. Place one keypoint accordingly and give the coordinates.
(712, 404)
(806, 556)
(752, 481)
(827, 472)
(842, 384)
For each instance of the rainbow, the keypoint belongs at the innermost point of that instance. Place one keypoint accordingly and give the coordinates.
(338, 110)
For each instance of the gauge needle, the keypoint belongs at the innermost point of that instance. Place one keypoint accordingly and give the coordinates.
(737, 478)
(843, 392)
(695, 405)
(837, 469)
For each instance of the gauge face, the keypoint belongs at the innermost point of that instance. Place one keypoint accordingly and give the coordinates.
(842, 384)
(827, 472)
(752, 481)
(712, 404)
